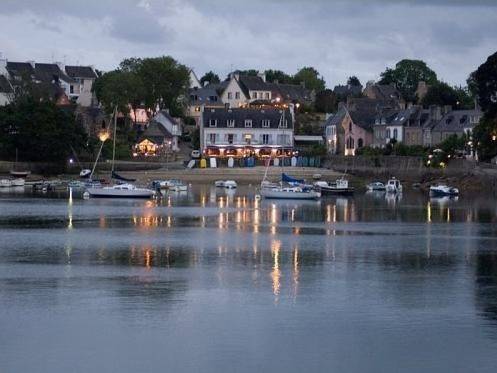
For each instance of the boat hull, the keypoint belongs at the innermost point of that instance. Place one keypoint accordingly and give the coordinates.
(20, 173)
(112, 193)
(443, 193)
(341, 191)
(275, 194)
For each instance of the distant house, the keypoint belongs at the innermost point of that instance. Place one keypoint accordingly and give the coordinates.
(244, 132)
(81, 90)
(54, 73)
(235, 94)
(455, 122)
(345, 91)
(351, 128)
(387, 93)
(199, 98)
(291, 93)
(160, 137)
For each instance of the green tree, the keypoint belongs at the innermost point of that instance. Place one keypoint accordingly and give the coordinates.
(326, 101)
(210, 77)
(165, 81)
(40, 130)
(280, 76)
(121, 89)
(249, 72)
(354, 80)
(443, 94)
(311, 79)
(485, 85)
(406, 75)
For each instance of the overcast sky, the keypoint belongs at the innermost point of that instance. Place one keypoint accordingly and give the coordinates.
(338, 37)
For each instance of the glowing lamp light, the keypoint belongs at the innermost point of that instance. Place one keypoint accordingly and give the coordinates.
(103, 136)
(71, 161)
(494, 137)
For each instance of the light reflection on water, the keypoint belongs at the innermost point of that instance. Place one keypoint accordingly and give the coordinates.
(207, 276)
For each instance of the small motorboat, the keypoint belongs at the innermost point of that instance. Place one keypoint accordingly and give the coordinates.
(5, 183)
(18, 182)
(394, 186)
(177, 186)
(340, 186)
(376, 186)
(230, 184)
(120, 191)
(443, 190)
(291, 192)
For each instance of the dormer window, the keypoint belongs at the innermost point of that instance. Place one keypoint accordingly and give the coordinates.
(377, 121)
(266, 123)
(212, 122)
(230, 123)
(383, 121)
(283, 123)
(248, 123)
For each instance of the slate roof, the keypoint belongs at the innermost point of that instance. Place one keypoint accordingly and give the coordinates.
(336, 119)
(204, 95)
(5, 86)
(51, 71)
(222, 115)
(253, 83)
(347, 90)
(363, 117)
(81, 72)
(387, 92)
(290, 92)
(456, 121)
(156, 133)
(21, 69)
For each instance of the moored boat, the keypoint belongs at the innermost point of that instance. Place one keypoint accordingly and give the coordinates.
(376, 186)
(5, 183)
(291, 192)
(394, 186)
(443, 190)
(120, 191)
(230, 184)
(18, 182)
(340, 186)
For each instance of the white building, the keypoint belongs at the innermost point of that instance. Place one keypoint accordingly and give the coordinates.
(81, 89)
(246, 132)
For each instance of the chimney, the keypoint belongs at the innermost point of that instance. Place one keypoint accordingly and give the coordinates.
(435, 112)
(3, 66)
(262, 76)
(61, 66)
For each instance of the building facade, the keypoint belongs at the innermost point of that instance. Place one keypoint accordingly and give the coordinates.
(226, 132)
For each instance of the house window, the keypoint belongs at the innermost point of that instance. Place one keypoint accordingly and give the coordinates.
(230, 138)
(383, 121)
(230, 95)
(283, 123)
(267, 96)
(254, 95)
(212, 138)
(212, 122)
(248, 138)
(360, 143)
(266, 139)
(350, 127)
(388, 133)
(197, 108)
(266, 123)
(350, 143)
(395, 133)
(237, 95)
(230, 123)
(248, 123)
(71, 89)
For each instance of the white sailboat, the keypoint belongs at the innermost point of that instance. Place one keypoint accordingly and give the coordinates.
(270, 190)
(123, 190)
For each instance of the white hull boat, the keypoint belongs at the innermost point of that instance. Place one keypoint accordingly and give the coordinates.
(229, 184)
(120, 191)
(219, 183)
(394, 186)
(443, 190)
(376, 186)
(18, 182)
(289, 193)
(5, 183)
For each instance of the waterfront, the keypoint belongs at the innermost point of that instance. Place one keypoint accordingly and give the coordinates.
(213, 281)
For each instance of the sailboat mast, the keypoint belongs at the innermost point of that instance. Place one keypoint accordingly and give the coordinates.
(114, 142)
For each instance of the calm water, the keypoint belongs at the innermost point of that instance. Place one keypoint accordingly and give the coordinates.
(214, 282)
